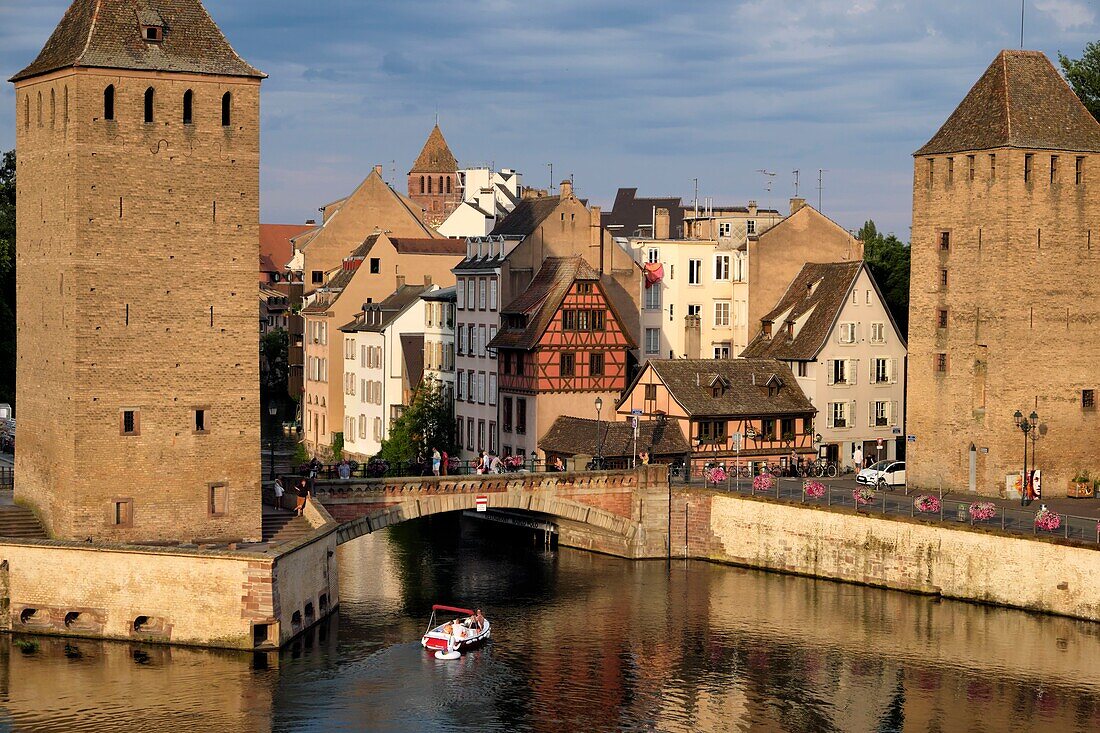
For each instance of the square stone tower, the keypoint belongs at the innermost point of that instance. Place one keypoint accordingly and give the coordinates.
(1004, 307)
(137, 242)
(433, 180)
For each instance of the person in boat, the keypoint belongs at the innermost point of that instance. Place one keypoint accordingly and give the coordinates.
(479, 621)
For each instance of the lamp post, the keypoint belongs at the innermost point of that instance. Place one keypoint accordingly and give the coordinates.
(1026, 425)
(750, 433)
(272, 411)
(599, 443)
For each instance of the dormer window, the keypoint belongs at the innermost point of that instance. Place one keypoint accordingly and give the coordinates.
(767, 329)
(152, 33)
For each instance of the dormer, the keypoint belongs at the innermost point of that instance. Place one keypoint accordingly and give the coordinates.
(774, 385)
(766, 329)
(718, 385)
(152, 26)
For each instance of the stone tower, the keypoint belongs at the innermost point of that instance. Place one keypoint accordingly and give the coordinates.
(433, 180)
(1004, 307)
(138, 186)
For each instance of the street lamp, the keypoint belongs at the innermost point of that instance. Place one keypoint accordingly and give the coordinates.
(1026, 425)
(272, 411)
(599, 443)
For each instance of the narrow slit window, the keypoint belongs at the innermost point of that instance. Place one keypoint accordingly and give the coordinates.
(130, 423)
(219, 499)
(1079, 170)
(200, 421)
(227, 109)
(150, 94)
(1027, 167)
(188, 107)
(109, 102)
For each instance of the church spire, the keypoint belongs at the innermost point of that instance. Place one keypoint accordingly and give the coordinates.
(435, 156)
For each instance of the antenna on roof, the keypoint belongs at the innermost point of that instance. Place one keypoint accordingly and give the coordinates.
(769, 176)
(551, 189)
(795, 182)
(1022, 23)
(820, 171)
(696, 197)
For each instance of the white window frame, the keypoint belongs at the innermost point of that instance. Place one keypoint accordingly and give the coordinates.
(722, 351)
(492, 388)
(846, 334)
(470, 302)
(653, 297)
(722, 315)
(653, 255)
(653, 341)
(878, 331)
(840, 410)
(460, 292)
(725, 228)
(492, 294)
(750, 226)
(695, 272)
(721, 267)
(482, 294)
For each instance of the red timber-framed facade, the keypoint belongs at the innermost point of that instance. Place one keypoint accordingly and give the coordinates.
(562, 345)
(716, 399)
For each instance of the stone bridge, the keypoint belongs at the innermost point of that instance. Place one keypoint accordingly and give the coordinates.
(622, 513)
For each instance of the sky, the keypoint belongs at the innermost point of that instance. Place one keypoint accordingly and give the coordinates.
(611, 92)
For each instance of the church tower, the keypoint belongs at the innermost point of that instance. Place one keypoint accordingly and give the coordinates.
(433, 181)
(138, 215)
(1004, 306)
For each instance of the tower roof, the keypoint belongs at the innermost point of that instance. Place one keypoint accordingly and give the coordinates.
(435, 156)
(109, 34)
(1021, 101)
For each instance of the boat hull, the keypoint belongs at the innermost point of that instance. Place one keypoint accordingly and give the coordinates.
(436, 640)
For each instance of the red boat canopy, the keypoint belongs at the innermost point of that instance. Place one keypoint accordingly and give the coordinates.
(464, 611)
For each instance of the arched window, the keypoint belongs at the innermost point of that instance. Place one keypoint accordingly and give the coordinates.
(421, 184)
(441, 184)
(448, 184)
(65, 105)
(149, 94)
(429, 184)
(188, 103)
(53, 108)
(26, 111)
(40, 109)
(109, 102)
(227, 109)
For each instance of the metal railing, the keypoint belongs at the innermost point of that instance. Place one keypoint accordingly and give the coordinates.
(950, 510)
(7, 478)
(381, 469)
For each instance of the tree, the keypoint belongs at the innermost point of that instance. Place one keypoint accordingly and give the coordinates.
(1083, 75)
(7, 278)
(426, 424)
(274, 364)
(888, 259)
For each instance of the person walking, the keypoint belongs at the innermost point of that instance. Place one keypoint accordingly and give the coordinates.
(301, 492)
(436, 461)
(443, 463)
(344, 469)
(279, 491)
(857, 457)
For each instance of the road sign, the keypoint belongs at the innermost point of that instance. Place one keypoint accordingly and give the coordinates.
(634, 422)
(897, 431)
(880, 442)
(736, 441)
(635, 411)
(482, 503)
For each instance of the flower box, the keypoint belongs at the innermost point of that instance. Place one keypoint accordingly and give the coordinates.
(980, 511)
(1048, 520)
(763, 482)
(927, 504)
(813, 489)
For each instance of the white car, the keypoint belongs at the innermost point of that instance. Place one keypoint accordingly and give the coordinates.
(883, 473)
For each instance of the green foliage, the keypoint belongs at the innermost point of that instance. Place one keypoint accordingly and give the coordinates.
(426, 424)
(1083, 75)
(336, 450)
(274, 364)
(301, 455)
(7, 278)
(888, 259)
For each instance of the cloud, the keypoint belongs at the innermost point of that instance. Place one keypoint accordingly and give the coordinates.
(1066, 14)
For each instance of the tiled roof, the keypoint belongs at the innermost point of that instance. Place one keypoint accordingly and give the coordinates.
(426, 246)
(1021, 101)
(527, 216)
(107, 34)
(445, 295)
(631, 213)
(275, 242)
(818, 292)
(689, 382)
(377, 316)
(412, 351)
(435, 156)
(573, 436)
(541, 300)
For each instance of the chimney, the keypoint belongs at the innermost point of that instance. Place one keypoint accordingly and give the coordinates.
(797, 203)
(566, 188)
(596, 226)
(660, 225)
(378, 169)
(752, 208)
(427, 279)
(400, 281)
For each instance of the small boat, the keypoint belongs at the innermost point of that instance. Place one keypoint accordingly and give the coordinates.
(455, 635)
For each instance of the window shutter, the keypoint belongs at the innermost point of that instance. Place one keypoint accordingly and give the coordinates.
(870, 414)
(893, 413)
(851, 421)
(893, 371)
(831, 370)
(829, 414)
(850, 372)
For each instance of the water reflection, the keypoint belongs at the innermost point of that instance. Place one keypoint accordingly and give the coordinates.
(586, 642)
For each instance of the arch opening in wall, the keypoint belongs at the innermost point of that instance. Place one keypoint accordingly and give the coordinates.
(65, 105)
(150, 94)
(421, 184)
(53, 108)
(227, 109)
(296, 618)
(31, 616)
(441, 184)
(40, 109)
(322, 602)
(109, 102)
(309, 611)
(72, 618)
(188, 107)
(26, 112)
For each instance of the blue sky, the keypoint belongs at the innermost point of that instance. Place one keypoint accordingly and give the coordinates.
(615, 92)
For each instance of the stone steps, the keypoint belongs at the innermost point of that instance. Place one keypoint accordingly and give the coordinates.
(279, 528)
(20, 523)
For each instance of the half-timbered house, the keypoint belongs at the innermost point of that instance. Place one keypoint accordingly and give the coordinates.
(561, 345)
(717, 400)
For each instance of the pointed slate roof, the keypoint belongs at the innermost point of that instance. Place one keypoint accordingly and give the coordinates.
(1021, 101)
(107, 34)
(435, 156)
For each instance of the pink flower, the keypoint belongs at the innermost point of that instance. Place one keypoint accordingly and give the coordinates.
(982, 510)
(814, 489)
(927, 503)
(1048, 520)
(763, 482)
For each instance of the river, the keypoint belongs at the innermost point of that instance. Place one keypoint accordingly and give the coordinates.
(582, 642)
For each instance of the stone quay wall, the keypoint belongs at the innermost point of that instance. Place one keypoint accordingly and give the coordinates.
(1042, 575)
(215, 598)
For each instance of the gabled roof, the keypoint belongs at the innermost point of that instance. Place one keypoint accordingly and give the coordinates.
(276, 242)
(328, 293)
(573, 436)
(435, 156)
(527, 216)
(747, 393)
(818, 292)
(631, 212)
(1021, 101)
(444, 295)
(412, 351)
(541, 300)
(425, 246)
(108, 34)
(377, 316)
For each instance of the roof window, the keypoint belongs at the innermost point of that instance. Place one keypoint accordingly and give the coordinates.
(154, 33)
(152, 26)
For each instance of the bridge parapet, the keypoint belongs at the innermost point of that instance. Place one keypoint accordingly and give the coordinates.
(625, 511)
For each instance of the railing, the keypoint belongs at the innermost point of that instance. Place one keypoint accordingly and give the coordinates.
(372, 469)
(950, 511)
(7, 478)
